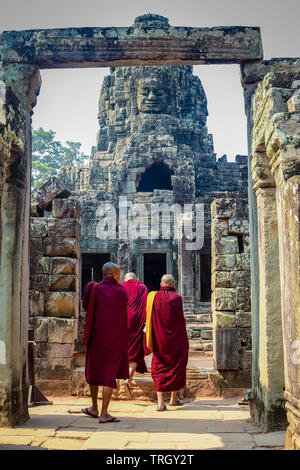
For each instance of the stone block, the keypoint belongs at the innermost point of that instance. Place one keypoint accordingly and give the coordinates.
(53, 187)
(226, 348)
(238, 226)
(64, 265)
(223, 299)
(245, 359)
(224, 320)
(245, 335)
(38, 227)
(63, 228)
(61, 304)
(35, 210)
(206, 334)
(243, 297)
(220, 279)
(224, 208)
(36, 302)
(54, 350)
(240, 279)
(63, 282)
(54, 330)
(53, 367)
(58, 246)
(219, 228)
(225, 246)
(36, 253)
(243, 319)
(39, 282)
(65, 208)
(226, 263)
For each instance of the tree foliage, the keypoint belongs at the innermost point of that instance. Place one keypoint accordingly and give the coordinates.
(49, 155)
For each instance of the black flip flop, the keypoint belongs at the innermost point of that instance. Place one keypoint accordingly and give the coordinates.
(161, 409)
(111, 420)
(178, 403)
(86, 411)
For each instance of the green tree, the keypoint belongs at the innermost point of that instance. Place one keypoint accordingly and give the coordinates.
(49, 155)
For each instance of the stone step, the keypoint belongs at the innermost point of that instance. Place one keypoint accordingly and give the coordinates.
(198, 385)
(198, 344)
(204, 317)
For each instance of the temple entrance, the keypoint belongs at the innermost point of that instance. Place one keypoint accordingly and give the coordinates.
(158, 176)
(91, 267)
(155, 266)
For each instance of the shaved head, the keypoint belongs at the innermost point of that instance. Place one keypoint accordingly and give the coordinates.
(111, 270)
(167, 280)
(130, 277)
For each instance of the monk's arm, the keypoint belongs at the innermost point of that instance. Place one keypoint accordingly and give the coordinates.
(86, 295)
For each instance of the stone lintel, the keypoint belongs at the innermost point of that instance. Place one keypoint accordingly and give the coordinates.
(136, 45)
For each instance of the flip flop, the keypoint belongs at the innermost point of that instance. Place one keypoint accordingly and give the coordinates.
(161, 409)
(86, 411)
(127, 389)
(112, 420)
(178, 403)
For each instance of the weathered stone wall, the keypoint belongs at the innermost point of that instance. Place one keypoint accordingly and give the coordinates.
(272, 104)
(19, 85)
(231, 304)
(54, 293)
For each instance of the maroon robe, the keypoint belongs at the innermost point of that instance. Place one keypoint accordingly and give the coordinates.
(170, 342)
(106, 355)
(136, 318)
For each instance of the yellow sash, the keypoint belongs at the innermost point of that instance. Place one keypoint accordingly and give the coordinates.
(150, 300)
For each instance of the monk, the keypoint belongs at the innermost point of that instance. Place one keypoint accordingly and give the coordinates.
(169, 342)
(106, 355)
(136, 318)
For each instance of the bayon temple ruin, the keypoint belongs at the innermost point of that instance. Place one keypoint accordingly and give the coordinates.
(239, 275)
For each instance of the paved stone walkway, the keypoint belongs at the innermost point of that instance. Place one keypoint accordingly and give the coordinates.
(207, 424)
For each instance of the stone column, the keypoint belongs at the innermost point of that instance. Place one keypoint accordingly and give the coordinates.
(288, 206)
(21, 86)
(267, 407)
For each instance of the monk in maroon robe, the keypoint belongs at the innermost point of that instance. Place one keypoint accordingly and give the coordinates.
(170, 343)
(106, 355)
(136, 318)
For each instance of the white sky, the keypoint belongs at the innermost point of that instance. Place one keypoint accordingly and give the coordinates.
(68, 99)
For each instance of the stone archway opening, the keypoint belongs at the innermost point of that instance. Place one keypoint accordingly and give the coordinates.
(139, 45)
(157, 176)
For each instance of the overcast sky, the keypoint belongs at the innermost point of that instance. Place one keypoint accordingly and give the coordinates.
(68, 99)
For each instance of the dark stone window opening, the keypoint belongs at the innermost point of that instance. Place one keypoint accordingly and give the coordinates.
(155, 266)
(157, 176)
(240, 243)
(91, 267)
(205, 273)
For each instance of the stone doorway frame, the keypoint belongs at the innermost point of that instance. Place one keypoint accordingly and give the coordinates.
(150, 41)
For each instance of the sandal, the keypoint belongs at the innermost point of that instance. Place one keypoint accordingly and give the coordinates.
(113, 419)
(161, 409)
(86, 411)
(178, 403)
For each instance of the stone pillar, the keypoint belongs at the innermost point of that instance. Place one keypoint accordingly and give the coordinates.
(275, 108)
(288, 200)
(231, 292)
(124, 257)
(54, 294)
(186, 276)
(267, 407)
(20, 84)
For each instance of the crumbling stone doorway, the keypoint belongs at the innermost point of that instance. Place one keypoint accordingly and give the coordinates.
(155, 266)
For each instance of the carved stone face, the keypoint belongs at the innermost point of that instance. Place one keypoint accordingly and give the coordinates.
(151, 96)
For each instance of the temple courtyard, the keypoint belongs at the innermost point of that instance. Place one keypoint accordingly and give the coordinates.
(206, 424)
